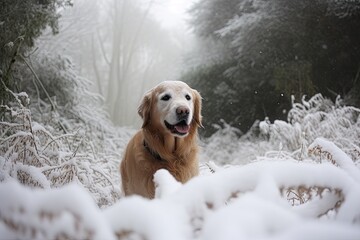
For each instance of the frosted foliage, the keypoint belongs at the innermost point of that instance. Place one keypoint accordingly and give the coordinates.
(225, 137)
(232, 203)
(241, 25)
(344, 9)
(48, 145)
(319, 117)
(308, 120)
(224, 90)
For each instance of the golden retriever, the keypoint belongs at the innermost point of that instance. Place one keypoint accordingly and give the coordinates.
(171, 114)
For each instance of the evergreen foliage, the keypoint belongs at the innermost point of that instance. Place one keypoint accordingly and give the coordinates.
(273, 50)
(21, 22)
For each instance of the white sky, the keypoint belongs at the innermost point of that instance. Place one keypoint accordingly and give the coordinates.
(172, 13)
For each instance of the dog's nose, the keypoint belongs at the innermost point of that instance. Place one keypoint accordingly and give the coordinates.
(182, 113)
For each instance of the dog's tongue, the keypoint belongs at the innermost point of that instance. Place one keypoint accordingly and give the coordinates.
(182, 128)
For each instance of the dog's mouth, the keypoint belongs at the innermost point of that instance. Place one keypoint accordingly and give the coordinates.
(181, 128)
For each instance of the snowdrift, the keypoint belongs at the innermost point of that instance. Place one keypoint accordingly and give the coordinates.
(272, 199)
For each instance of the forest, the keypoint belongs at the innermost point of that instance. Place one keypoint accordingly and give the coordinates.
(265, 52)
(280, 146)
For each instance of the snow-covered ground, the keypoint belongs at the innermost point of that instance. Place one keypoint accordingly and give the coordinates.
(298, 179)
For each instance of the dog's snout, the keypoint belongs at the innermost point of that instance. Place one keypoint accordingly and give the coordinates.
(182, 112)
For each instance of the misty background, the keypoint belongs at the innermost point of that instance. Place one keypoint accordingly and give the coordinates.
(250, 59)
(123, 47)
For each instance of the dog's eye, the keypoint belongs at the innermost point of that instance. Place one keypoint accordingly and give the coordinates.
(166, 97)
(187, 96)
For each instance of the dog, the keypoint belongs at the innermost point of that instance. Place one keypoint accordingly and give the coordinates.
(171, 114)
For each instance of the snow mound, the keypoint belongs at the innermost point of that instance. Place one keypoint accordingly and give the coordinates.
(272, 199)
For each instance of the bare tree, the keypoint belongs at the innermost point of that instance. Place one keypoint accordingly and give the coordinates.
(120, 47)
(138, 47)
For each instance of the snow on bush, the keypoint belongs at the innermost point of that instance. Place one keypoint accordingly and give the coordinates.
(52, 142)
(308, 120)
(59, 175)
(319, 117)
(250, 202)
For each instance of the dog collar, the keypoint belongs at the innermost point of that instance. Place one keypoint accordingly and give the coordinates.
(153, 153)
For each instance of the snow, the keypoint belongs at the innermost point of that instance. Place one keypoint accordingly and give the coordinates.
(36, 173)
(321, 145)
(165, 183)
(249, 217)
(41, 214)
(240, 202)
(154, 219)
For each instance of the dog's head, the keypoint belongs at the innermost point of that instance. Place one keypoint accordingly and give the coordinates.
(172, 106)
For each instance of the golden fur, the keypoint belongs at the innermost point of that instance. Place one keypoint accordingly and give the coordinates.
(162, 149)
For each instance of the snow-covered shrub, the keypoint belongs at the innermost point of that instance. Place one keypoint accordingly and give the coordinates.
(47, 142)
(228, 146)
(308, 120)
(319, 117)
(269, 199)
(55, 78)
(223, 140)
(65, 213)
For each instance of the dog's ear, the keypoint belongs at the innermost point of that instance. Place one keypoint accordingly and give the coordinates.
(144, 109)
(197, 108)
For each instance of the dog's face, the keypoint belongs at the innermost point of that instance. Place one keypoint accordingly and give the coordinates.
(174, 106)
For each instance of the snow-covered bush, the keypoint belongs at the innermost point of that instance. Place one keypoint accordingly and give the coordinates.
(225, 139)
(48, 142)
(319, 117)
(308, 120)
(269, 199)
